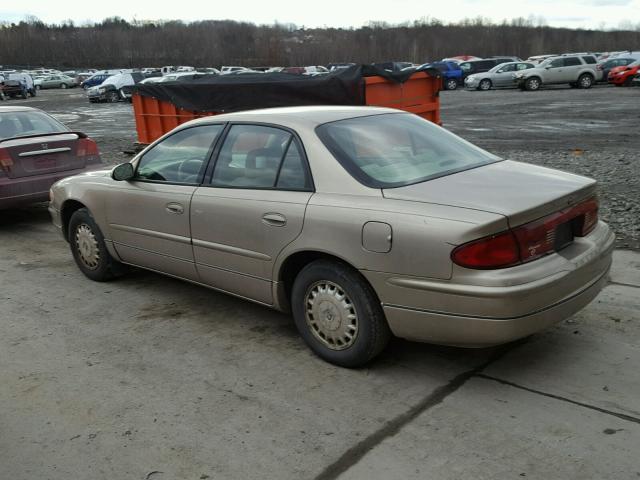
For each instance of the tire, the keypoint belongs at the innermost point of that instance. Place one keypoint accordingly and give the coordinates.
(485, 84)
(450, 84)
(339, 293)
(532, 84)
(24, 95)
(38, 87)
(63, 86)
(113, 97)
(585, 81)
(89, 250)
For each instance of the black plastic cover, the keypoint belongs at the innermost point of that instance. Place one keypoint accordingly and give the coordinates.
(236, 92)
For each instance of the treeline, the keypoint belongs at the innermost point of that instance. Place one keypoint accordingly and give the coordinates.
(115, 42)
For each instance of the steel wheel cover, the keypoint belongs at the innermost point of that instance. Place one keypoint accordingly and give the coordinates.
(87, 246)
(331, 315)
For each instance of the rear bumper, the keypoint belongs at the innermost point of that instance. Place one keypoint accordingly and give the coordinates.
(478, 332)
(484, 308)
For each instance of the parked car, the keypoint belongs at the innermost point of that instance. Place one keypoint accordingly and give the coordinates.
(499, 76)
(451, 73)
(393, 66)
(541, 58)
(577, 71)
(36, 151)
(15, 88)
(623, 76)
(55, 81)
(390, 224)
(113, 88)
(20, 84)
(480, 66)
(506, 58)
(607, 65)
(95, 80)
(636, 81)
(229, 69)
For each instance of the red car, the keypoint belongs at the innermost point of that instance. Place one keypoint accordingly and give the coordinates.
(622, 76)
(35, 152)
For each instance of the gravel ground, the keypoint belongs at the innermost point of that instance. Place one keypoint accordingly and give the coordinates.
(592, 132)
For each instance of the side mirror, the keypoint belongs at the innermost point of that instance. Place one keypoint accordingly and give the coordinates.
(123, 172)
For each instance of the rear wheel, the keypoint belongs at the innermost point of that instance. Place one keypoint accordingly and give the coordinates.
(89, 250)
(451, 84)
(585, 80)
(63, 85)
(532, 84)
(338, 314)
(484, 84)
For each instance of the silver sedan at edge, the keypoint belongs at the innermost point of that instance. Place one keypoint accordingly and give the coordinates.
(499, 76)
(362, 222)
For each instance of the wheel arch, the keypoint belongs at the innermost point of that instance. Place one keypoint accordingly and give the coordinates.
(291, 266)
(68, 208)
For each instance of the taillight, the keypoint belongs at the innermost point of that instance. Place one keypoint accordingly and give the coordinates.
(598, 67)
(87, 147)
(496, 251)
(529, 241)
(5, 162)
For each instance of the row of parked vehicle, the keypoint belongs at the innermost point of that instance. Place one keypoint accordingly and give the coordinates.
(579, 70)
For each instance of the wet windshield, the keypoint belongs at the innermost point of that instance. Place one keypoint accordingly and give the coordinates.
(392, 150)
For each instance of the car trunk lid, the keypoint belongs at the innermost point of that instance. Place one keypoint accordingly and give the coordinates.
(43, 154)
(521, 192)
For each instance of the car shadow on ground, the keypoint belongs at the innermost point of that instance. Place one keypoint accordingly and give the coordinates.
(32, 214)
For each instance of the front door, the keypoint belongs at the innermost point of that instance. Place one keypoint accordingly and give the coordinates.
(504, 76)
(251, 209)
(149, 216)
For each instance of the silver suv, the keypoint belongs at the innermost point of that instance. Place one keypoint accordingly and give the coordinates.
(579, 71)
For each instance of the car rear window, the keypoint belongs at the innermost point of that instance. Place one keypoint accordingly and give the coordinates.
(16, 124)
(572, 61)
(397, 149)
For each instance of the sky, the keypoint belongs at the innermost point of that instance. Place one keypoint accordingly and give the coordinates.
(334, 13)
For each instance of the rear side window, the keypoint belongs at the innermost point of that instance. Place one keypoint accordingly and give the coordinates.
(392, 150)
(589, 59)
(260, 157)
(572, 61)
(15, 124)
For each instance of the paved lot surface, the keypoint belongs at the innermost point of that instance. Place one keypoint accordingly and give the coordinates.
(151, 378)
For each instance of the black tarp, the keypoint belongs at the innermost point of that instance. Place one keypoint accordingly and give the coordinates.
(231, 93)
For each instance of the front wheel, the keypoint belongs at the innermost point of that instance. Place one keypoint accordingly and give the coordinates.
(338, 314)
(63, 85)
(89, 250)
(113, 97)
(484, 85)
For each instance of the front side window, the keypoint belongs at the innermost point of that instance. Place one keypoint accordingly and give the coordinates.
(256, 156)
(465, 67)
(179, 158)
(524, 66)
(393, 150)
(508, 68)
(558, 62)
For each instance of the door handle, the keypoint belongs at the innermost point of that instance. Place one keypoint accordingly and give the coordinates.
(174, 208)
(274, 219)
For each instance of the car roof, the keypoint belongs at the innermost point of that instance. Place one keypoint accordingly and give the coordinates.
(310, 116)
(17, 109)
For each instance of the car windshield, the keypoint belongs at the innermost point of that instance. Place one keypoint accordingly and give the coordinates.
(17, 124)
(397, 149)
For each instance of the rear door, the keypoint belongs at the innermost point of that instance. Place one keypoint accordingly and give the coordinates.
(251, 209)
(148, 216)
(572, 67)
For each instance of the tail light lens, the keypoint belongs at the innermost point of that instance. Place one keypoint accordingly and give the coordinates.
(87, 147)
(530, 241)
(598, 67)
(5, 162)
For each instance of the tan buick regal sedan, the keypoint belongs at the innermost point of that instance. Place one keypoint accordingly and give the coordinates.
(363, 222)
